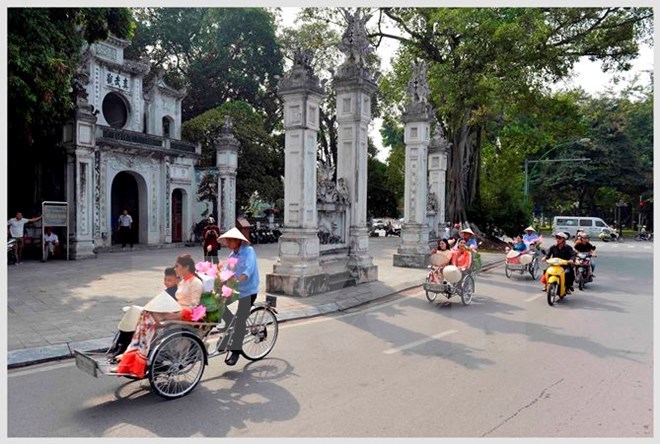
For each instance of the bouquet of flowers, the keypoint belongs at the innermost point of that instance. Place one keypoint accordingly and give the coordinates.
(224, 291)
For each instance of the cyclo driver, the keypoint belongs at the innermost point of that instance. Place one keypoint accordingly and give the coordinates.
(566, 252)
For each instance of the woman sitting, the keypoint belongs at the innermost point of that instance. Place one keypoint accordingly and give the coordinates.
(462, 257)
(519, 245)
(441, 258)
(159, 309)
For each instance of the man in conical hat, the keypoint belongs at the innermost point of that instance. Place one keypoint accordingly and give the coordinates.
(246, 273)
(530, 237)
(470, 239)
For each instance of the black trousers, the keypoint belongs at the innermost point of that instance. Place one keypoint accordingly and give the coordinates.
(242, 313)
(125, 236)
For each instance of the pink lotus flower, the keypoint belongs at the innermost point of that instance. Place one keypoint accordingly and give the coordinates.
(198, 313)
(227, 291)
(232, 261)
(225, 275)
(203, 266)
(211, 272)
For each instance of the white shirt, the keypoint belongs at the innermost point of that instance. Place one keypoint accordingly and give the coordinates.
(125, 220)
(52, 237)
(16, 226)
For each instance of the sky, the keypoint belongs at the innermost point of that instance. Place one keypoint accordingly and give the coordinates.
(586, 74)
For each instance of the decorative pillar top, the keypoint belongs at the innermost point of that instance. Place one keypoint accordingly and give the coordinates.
(355, 46)
(418, 109)
(301, 75)
(439, 143)
(226, 141)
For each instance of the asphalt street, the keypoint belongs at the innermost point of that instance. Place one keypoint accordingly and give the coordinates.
(508, 365)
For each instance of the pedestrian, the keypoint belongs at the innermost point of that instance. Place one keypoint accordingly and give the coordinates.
(51, 241)
(246, 272)
(211, 246)
(16, 229)
(125, 223)
(447, 231)
(454, 232)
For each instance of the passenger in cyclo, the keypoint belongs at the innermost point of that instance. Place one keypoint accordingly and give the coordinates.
(146, 320)
(442, 258)
(470, 239)
(462, 257)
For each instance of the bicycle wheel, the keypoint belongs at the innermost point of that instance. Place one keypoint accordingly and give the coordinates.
(261, 334)
(430, 295)
(467, 290)
(507, 271)
(552, 293)
(177, 365)
(534, 268)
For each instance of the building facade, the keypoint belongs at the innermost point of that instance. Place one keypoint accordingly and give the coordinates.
(124, 151)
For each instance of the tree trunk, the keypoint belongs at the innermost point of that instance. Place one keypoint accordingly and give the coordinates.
(463, 170)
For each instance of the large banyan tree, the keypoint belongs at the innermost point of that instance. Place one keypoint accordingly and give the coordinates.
(481, 59)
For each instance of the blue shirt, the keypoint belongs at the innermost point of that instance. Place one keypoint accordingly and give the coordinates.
(529, 239)
(247, 265)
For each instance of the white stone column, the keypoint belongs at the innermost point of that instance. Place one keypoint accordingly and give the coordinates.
(437, 164)
(414, 248)
(80, 143)
(227, 163)
(298, 271)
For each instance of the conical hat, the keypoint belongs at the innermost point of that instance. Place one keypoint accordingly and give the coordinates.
(511, 254)
(163, 303)
(467, 230)
(525, 259)
(452, 274)
(234, 233)
(530, 228)
(130, 320)
(438, 259)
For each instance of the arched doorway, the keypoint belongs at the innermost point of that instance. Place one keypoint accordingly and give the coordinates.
(128, 192)
(177, 215)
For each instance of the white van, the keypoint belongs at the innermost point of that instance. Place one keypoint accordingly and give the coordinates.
(572, 224)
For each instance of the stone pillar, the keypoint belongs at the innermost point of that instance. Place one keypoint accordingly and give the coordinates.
(438, 152)
(298, 272)
(81, 171)
(414, 248)
(354, 85)
(227, 163)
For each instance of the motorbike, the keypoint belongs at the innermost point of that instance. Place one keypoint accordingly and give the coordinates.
(583, 270)
(610, 235)
(644, 236)
(11, 252)
(555, 279)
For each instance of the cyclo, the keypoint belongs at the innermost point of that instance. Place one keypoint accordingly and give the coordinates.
(455, 281)
(522, 262)
(180, 350)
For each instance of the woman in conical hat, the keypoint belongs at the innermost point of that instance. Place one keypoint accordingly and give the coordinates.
(243, 263)
(470, 239)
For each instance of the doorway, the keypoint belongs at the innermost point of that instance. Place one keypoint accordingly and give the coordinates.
(177, 215)
(125, 195)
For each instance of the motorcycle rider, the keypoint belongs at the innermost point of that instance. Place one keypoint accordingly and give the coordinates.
(563, 251)
(582, 245)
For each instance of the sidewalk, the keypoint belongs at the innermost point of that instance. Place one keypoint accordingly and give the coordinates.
(58, 306)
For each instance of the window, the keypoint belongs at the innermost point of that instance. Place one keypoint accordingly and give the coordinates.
(572, 222)
(600, 223)
(115, 110)
(586, 222)
(167, 126)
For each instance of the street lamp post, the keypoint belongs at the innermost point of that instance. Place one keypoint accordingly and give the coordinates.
(527, 161)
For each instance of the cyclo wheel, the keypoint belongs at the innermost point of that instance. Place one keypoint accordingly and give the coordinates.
(467, 290)
(430, 295)
(507, 271)
(553, 288)
(177, 365)
(534, 268)
(261, 334)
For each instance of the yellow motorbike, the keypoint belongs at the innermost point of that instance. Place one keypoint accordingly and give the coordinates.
(555, 279)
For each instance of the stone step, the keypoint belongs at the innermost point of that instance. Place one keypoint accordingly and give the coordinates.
(341, 280)
(142, 247)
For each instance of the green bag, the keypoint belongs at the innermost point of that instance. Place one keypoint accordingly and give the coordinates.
(210, 301)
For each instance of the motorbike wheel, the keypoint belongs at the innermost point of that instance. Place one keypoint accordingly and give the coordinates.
(507, 271)
(553, 289)
(580, 279)
(534, 268)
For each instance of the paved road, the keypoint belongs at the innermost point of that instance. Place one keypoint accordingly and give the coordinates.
(506, 366)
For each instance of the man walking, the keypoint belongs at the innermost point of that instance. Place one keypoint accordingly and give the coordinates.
(16, 227)
(125, 229)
